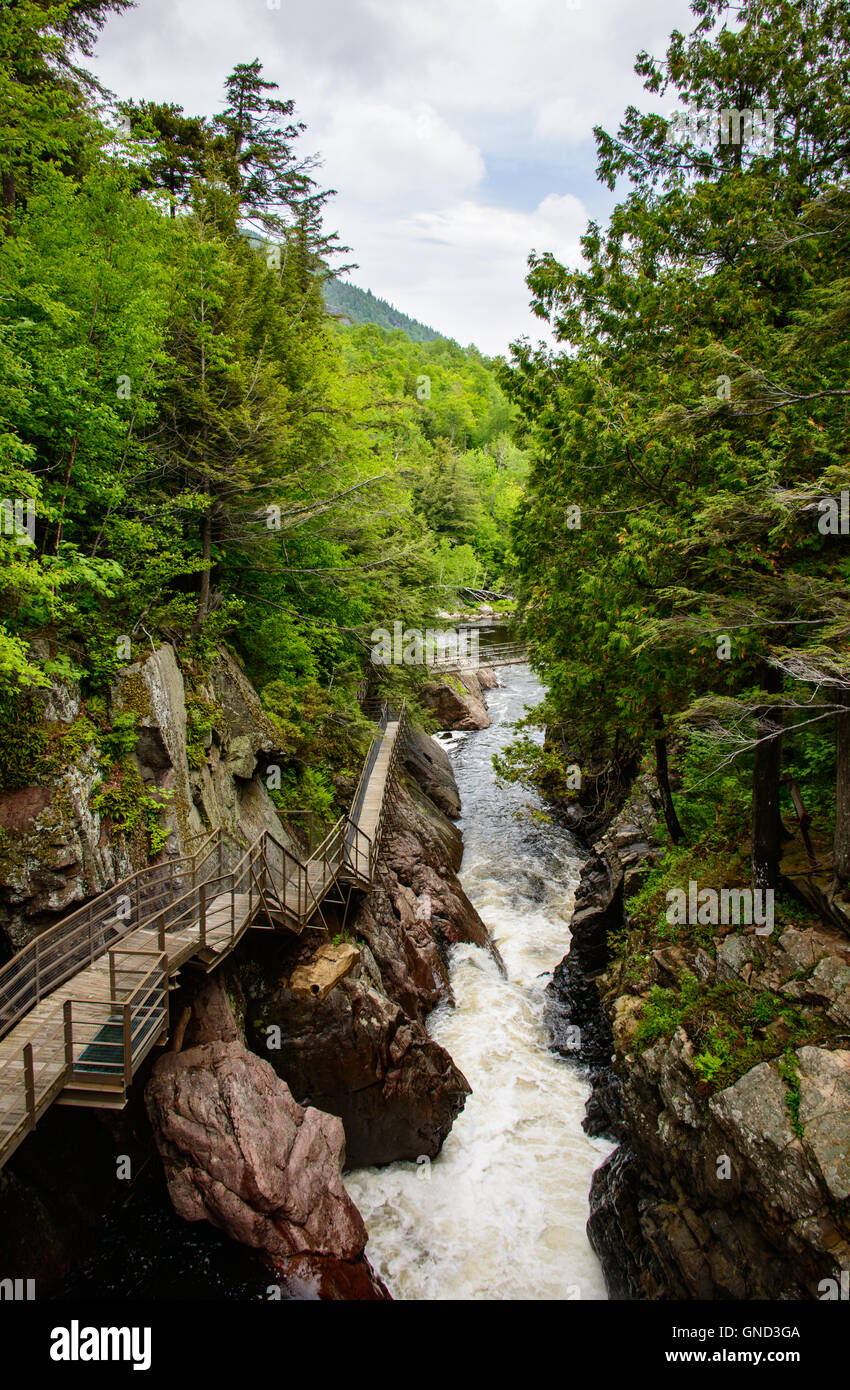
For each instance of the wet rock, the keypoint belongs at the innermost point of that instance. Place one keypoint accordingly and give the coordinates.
(578, 1028)
(614, 869)
(309, 1278)
(414, 858)
(457, 701)
(429, 764)
(357, 1055)
(239, 1152)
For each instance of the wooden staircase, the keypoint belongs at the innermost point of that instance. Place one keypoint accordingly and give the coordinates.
(83, 1004)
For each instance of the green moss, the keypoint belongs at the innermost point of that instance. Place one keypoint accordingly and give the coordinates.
(789, 1070)
(202, 716)
(726, 1023)
(135, 696)
(24, 742)
(124, 800)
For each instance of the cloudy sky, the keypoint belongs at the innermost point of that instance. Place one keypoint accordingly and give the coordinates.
(458, 133)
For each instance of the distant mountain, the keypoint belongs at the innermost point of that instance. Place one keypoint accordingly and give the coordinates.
(362, 306)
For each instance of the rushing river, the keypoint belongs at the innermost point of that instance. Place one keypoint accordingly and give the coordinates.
(501, 1212)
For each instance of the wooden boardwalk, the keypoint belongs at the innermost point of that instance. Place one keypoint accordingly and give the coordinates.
(84, 1003)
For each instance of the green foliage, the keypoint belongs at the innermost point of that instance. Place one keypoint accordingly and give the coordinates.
(208, 455)
(119, 739)
(345, 300)
(694, 411)
(130, 808)
(306, 789)
(789, 1070)
(325, 737)
(728, 1026)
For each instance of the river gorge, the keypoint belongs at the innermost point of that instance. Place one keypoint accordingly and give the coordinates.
(501, 1212)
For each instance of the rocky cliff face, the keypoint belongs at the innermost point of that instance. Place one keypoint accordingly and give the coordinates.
(741, 1192)
(363, 1053)
(196, 755)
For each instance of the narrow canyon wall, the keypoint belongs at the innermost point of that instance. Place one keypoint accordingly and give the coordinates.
(737, 1193)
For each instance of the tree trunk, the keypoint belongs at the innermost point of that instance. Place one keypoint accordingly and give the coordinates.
(206, 551)
(8, 193)
(662, 776)
(767, 772)
(841, 842)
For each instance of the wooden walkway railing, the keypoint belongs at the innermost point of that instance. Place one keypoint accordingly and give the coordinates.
(508, 654)
(83, 1004)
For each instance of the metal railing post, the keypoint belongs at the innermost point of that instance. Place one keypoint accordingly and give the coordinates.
(128, 1043)
(29, 1085)
(203, 911)
(69, 1035)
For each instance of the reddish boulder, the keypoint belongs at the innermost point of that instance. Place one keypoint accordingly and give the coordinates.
(458, 701)
(239, 1152)
(356, 1054)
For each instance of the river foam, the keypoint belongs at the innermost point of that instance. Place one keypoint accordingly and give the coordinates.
(501, 1213)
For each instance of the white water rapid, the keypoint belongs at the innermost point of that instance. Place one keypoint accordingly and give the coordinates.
(501, 1213)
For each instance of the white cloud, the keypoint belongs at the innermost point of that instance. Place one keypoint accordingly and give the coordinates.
(416, 106)
(462, 268)
(391, 153)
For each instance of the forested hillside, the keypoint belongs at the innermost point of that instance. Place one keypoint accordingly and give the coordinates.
(197, 452)
(684, 551)
(346, 301)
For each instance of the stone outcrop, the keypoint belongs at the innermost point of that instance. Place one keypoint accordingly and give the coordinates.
(613, 871)
(239, 1152)
(458, 701)
(735, 1193)
(429, 764)
(357, 1055)
(721, 1197)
